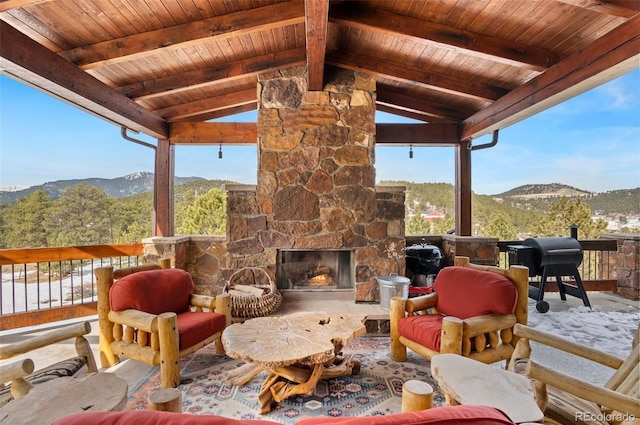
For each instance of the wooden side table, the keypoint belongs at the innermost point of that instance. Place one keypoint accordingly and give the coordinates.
(60, 397)
(467, 381)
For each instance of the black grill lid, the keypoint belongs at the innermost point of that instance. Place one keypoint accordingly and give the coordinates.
(558, 250)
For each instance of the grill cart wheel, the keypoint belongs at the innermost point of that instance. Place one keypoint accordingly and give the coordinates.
(542, 306)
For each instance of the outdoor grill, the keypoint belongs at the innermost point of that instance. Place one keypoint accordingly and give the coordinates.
(547, 257)
(424, 261)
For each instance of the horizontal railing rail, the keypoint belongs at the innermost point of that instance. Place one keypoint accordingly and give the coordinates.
(42, 285)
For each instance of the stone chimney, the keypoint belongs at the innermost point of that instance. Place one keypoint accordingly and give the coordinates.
(316, 179)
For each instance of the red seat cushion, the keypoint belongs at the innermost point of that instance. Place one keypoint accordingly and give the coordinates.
(425, 330)
(464, 292)
(153, 291)
(194, 327)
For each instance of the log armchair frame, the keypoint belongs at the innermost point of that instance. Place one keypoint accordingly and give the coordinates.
(148, 338)
(467, 337)
(17, 371)
(567, 397)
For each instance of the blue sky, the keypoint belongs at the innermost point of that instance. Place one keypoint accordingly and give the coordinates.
(591, 142)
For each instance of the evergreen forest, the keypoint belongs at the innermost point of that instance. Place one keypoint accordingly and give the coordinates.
(85, 215)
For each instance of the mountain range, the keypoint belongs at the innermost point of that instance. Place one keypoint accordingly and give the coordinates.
(625, 201)
(119, 187)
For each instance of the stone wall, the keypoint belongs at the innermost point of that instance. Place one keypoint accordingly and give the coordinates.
(316, 179)
(624, 264)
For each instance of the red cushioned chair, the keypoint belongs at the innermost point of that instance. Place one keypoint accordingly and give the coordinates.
(471, 312)
(150, 314)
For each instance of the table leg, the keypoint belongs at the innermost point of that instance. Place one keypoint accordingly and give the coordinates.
(283, 389)
(265, 397)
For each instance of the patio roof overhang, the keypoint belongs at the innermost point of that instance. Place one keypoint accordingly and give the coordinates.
(464, 68)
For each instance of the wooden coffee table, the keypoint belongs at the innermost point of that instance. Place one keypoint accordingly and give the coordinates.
(296, 351)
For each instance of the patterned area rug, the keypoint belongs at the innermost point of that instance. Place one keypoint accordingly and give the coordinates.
(376, 390)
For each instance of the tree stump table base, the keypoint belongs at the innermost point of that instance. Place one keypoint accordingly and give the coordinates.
(296, 351)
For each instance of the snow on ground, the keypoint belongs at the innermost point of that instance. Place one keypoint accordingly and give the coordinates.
(608, 331)
(34, 296)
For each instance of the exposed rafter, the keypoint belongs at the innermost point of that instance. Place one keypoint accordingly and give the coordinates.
(316, 12)
(412, 28)
(623, 8)
(30, 62)
(213, 29)
(615, 54)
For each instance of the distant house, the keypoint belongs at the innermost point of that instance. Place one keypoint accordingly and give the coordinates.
(431, 216)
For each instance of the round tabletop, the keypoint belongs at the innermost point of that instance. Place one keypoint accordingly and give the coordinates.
(306, 338)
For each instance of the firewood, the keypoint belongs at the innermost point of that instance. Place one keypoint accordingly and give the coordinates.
(247, 289)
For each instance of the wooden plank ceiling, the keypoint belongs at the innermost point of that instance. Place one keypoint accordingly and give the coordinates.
(469, 65)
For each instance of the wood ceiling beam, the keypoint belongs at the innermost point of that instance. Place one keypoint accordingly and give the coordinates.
(417, 134)
(179, 36)
(496, 49)
(624, 8)
(210, 133)
(221, 74)
(609, 57)
(387, 95)
(225, 112)
(187, 111)
(30, 62)
(403, 112)
(14, 4)
(213, 133)
(316, 13)
(412, 75)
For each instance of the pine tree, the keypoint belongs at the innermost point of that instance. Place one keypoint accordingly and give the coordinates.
(24, 222)
(206, 216)
(499, 226)
(566, 212)
(81, 216)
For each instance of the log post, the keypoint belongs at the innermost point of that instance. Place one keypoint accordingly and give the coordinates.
(104, 279)
(169, 351)
(223, 306)
(15, 372)
(416, 395)
(396, 312)
(451, 341)
(165, 400)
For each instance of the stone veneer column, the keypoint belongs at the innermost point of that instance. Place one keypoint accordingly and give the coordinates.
(316, 179)
(624, 264)
(480, 249)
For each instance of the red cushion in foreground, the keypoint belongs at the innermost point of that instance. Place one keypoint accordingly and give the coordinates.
(152, 417)
(449, 415)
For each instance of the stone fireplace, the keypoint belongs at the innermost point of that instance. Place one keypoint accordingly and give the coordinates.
(316, 192)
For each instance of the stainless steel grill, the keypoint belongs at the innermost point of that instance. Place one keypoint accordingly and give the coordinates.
(545, 257)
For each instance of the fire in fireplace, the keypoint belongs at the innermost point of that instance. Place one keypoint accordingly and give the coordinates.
(315, 269)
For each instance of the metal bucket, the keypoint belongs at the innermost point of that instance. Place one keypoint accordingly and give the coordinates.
(392, 286)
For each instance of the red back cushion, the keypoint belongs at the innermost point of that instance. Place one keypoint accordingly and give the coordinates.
(153, 291)
(465, 292)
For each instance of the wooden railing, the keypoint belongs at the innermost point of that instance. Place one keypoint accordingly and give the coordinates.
(42, 285)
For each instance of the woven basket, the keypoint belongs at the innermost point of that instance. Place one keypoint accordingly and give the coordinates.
(250, 306)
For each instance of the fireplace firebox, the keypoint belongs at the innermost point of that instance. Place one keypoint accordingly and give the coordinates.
(320, 270)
